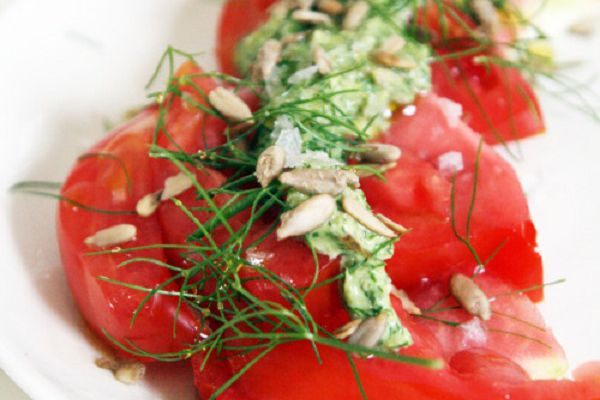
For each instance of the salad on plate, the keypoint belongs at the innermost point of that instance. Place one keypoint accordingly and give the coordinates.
(329, 214)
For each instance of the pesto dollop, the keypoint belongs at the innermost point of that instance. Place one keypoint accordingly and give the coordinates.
(319, 117)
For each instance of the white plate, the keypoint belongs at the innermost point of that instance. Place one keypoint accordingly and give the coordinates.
(69, 65)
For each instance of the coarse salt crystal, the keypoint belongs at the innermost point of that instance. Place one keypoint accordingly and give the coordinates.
(474, 333)
(451, 162)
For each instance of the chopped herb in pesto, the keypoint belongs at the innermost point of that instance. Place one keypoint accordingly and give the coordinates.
(331, 90)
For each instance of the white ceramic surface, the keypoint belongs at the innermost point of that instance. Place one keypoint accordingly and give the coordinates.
(68, 66)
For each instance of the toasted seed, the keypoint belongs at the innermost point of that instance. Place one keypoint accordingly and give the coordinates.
(392, 60)
(229, 104)
(365, 217)
(307, 216)
(270, 165)
(363, 173)
(321, 60)
(115, 234)
(487, 15)
(370, 331)
(407, 303)
(470, 296)
(127, 372)
(319, 181)
(331, 7)
(175, 185)
(379, 153)
(311, 17)
(583, 26)
(393, 44)
(396, 227)
(148, 204)
(355, 15)
(346, 330)
(130, 373)
(267, 59)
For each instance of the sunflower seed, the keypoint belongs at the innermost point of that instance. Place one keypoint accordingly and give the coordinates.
(583, 26)
(307, 216)
(127, 372)
(407, 303)
(267, 59)
(148, 204)
(396, 227)
(487, 15)
(115, 234)
(321, 60)
(392, 60)
(331, 7)
(346, 330)
(270, 165)
(379, 153)
(370, 331)
(470, 296)
(355, 15)
(311, 17)
(229, 104)
(319, 181)
(175, 185)
(393, 44)
(365, 217)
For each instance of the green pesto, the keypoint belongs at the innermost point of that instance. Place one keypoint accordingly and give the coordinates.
(357, 91)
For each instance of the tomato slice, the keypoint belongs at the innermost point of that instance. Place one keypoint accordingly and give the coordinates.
(116, 174)
(417, 194)
(477, 364)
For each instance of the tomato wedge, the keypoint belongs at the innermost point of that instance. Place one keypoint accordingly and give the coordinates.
(476, 365)
(417, 194)
(116, 173)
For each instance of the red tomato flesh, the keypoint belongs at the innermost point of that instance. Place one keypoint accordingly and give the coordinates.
(116, 182)
(418, 195)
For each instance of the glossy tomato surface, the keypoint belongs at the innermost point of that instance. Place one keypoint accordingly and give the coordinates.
(418, 194)
(111, 179)
(481, 360)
